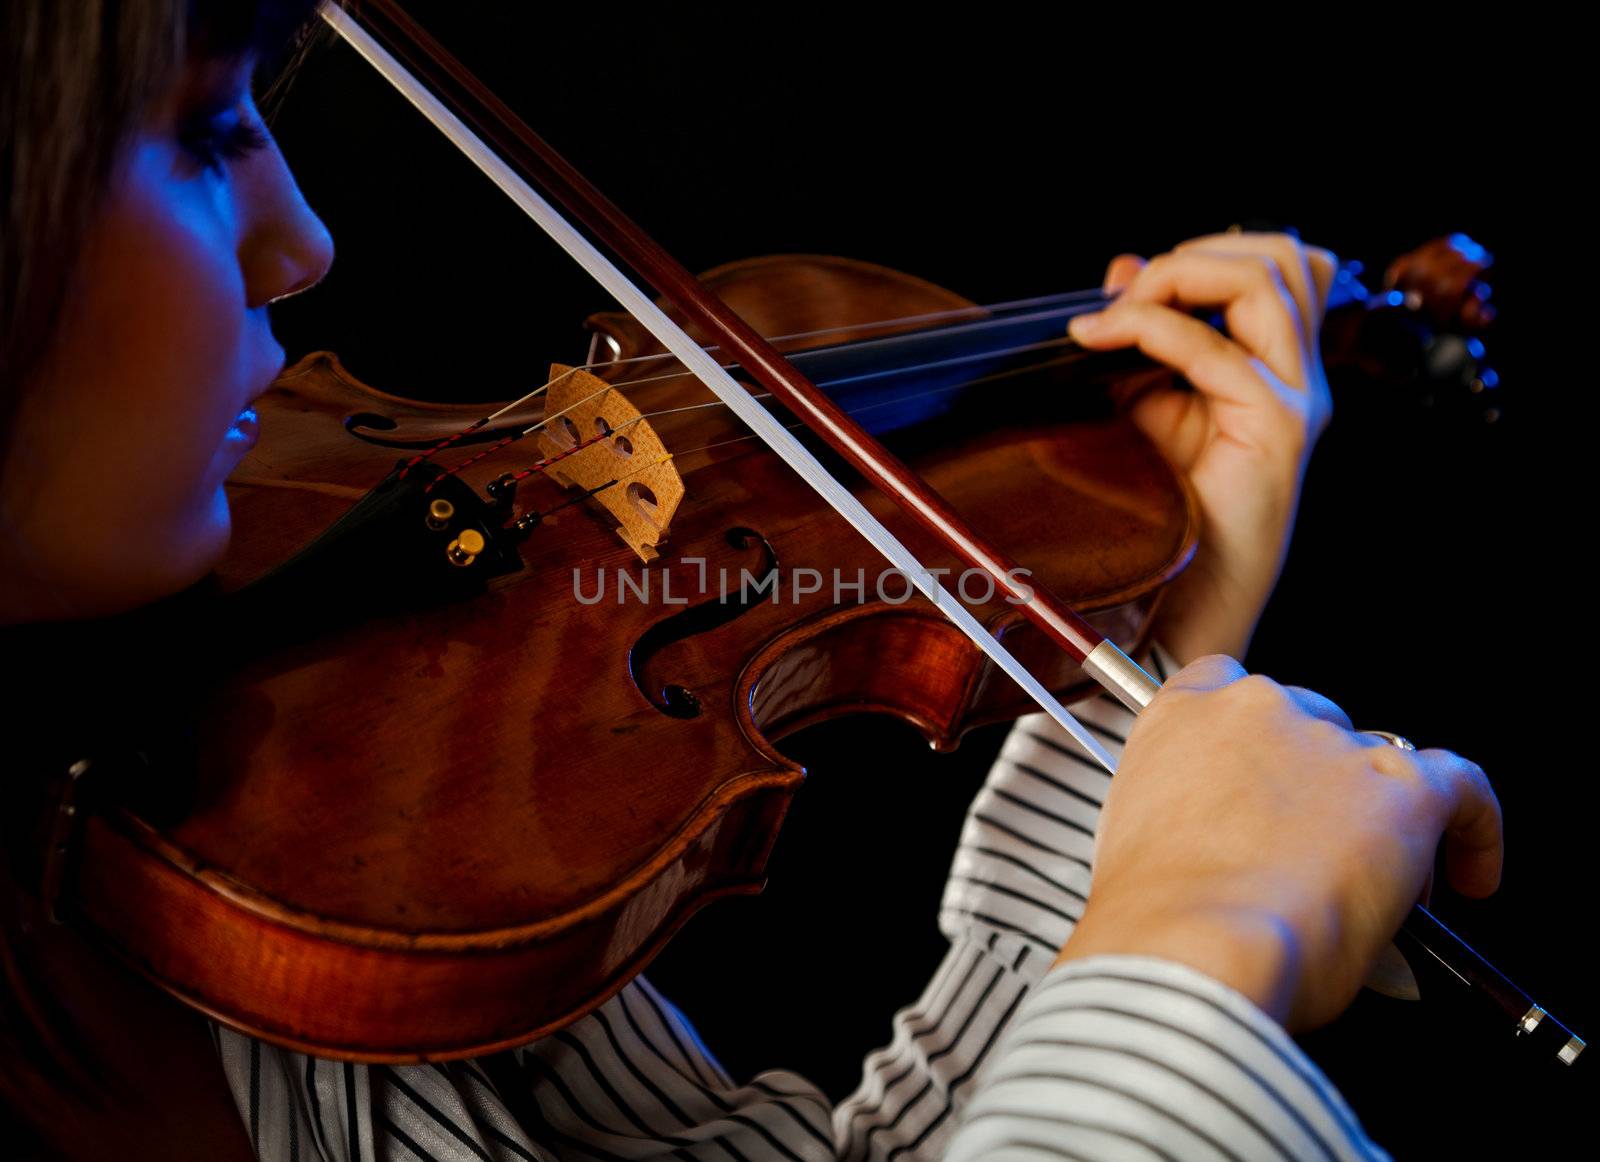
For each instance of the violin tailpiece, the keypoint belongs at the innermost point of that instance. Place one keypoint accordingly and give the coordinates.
(648, 488)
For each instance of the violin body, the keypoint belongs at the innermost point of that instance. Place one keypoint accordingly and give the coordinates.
(459, 826)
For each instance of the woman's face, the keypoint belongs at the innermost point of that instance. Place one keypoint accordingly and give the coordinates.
(111, 493)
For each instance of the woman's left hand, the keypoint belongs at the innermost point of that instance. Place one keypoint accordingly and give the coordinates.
(1244, 434)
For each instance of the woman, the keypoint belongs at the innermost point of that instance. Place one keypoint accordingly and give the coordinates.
(151, 221)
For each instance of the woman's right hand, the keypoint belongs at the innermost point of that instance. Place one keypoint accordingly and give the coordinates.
(1252, 834)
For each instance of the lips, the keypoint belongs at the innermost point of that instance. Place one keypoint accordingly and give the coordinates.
(246, 429)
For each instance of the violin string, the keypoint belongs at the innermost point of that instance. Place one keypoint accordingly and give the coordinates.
(537, 516)
(1066, 298)
(533, 516)
(540, 465)
(497, 445)
(935, 365)
(473, 427)
(765, 395)
(907, 398)
(1077, 298)
(515, 436)
(800, 357)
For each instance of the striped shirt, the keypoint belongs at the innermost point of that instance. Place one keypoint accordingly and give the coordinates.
(1001, 1057)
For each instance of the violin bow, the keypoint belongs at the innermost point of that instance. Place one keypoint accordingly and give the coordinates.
(509, 153)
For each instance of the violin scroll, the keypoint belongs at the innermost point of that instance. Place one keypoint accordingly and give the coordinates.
(1421, 336)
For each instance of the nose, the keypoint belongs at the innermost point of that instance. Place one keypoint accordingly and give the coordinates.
(285, 248)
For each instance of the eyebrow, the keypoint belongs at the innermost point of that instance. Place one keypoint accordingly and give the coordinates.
(211, 84)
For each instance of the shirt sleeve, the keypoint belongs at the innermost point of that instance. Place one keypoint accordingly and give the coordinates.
(1133, 1057)
(1005, 1056)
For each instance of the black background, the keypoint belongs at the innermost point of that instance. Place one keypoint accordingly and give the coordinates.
(1437, 585)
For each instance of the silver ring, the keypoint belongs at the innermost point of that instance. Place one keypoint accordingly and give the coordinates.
(1392, 739)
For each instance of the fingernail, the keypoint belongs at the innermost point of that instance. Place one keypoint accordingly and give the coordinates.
(1084, 326)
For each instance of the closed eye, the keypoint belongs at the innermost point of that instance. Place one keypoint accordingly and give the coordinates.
(216, 139)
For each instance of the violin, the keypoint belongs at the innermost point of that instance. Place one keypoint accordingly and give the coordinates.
(393, 846)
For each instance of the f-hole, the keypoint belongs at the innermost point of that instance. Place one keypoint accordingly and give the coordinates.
(674, 698)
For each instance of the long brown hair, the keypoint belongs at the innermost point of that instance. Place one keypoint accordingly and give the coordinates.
(75, 80)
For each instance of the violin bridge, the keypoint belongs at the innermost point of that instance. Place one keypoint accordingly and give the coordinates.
(648, 489)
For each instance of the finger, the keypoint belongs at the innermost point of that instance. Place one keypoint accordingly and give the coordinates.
(1318, 706)
(1306, 270)
(1474, 835)
(1222, 369)
(1324, 266)
(1260, 312)
(1309, 273)
(1120, 271)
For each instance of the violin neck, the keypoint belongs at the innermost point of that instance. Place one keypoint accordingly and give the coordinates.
(893, 381)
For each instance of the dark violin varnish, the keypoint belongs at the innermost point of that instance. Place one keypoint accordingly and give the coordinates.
(457, 827)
